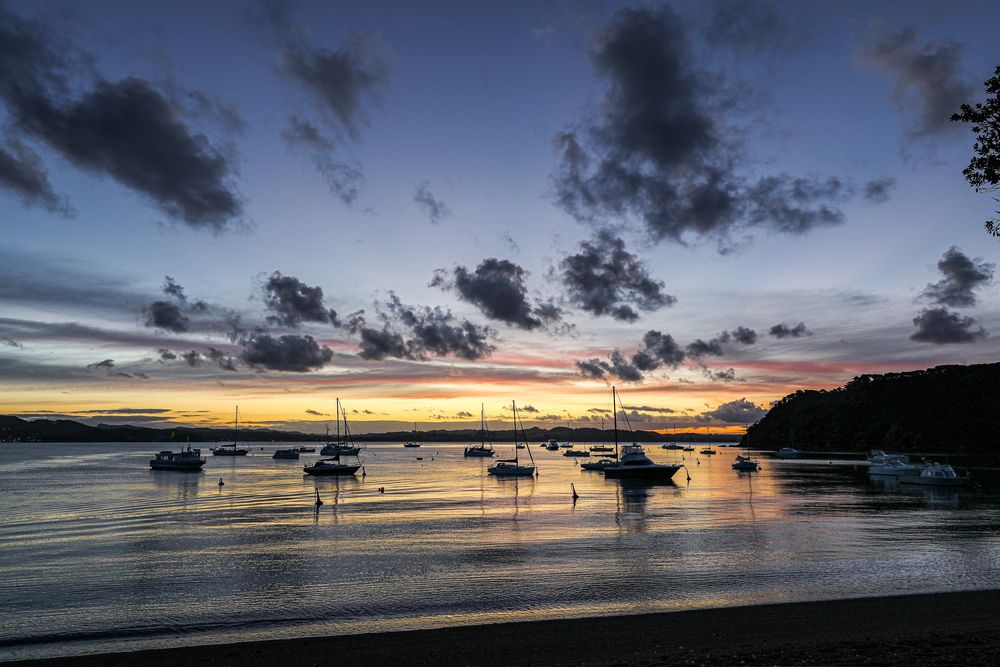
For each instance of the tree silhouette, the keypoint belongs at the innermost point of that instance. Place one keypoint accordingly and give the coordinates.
(983, 172)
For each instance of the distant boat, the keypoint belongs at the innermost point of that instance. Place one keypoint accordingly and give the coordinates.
(936, 474)
(708, 451)
(895, 467)
(632, 461)
(601, 449)
(552, 446)
(413, 443)
(483, 450)
(576, 452)
(672, 445)
(233, 449)
(186, 460)
(333, 465)
(339, 448)
(307, 450)
(787, 453)
(286, 454)
(688, 448)
(878, 456)
(512, 467)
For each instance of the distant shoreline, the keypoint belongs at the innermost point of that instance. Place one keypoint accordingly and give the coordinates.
(920, 629)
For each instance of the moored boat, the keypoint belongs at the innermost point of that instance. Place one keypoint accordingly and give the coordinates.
(632, 462)
(513, 467)
(286, 454)
(576, 452)
(484, 449)
(787, 453)
(234, 449)
(186, 460)
(936, 474)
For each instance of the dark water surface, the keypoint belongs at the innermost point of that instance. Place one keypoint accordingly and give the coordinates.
(98, 553)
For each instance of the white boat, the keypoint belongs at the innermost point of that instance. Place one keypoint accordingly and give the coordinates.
(483, 450)
(787, 453)
(233, 449)
(632, 462)
(878, 456)
(936, 474)
(513, 467)
(186, 460)
(895, 467)
(286, 454)
(552, 446)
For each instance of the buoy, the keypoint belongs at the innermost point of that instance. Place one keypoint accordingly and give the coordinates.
(699, 461)
(318, 501)
(221, 483)
(573, 486)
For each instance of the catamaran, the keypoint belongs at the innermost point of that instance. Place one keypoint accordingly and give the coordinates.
(512, 467)
(632, 460)
(483, 449)
(233, 449)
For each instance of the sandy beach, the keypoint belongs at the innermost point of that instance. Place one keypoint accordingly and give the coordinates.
(942, 628)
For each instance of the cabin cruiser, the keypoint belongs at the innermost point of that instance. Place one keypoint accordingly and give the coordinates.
(576, 452)
(708, 451)
(286, 454)
(936, 474)
(672, 445)
(878, 456)
(601, 449)
(307, 450)
(600, 464)
(552, 446)
(186, 460)
(895, 467)
(787, 453)
(634, 464)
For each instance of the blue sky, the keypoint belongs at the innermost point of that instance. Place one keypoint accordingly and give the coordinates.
(471, 101)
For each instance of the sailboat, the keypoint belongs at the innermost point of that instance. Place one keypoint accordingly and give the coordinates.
(745, 462)
(332, 465)
(604, 462)
(338, 447)
(632, 460)
(512, 467)
(413, 443)
(483, 450)
(233, 449)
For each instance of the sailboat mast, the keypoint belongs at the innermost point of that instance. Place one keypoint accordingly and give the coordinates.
(236, 434)
(513, 406)
(482, 425)
(614, 409)
(338, 420)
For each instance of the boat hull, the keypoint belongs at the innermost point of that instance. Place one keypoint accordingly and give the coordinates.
(654, 471)
(479, 453)
(512, 471)
(934, 481)
(746, 467)
(194, 466)
(230, 452)
(330, 471)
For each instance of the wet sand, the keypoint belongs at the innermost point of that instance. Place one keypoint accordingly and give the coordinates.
(943, 628)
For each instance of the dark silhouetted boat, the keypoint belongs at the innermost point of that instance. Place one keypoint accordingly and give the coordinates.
(484, 449)
(513, 467)
(233, 449)
(286, 454)
(338, 447)
(186, 460)
(333, 465)
(632, 461)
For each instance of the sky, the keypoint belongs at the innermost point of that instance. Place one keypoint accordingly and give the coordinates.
(424, 209)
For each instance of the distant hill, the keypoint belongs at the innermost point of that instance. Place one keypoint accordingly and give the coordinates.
(15, 429)
(946, 409)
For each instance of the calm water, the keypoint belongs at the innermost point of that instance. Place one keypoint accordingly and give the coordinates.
(98, 553)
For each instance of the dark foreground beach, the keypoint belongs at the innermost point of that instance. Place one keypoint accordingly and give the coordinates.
(940, 629)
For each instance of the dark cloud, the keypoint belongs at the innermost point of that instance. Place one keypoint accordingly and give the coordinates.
(658, 349)
(617, 365)
(782, 330)
(23, 175)
(124, 129)
(221, 359)
(740, 411)
(10, 342)
(527, 408)
(429, 331)
(435, 209)
(497, 288)
(296, 354)
(962, 276)
(702, 348)
(647, 408)
(127, 411)
(172, 288)
(168, 316)
(592, 368)
(928, 83)
(877, 190)
(603, 278)
(316, 413)
(291, 302)
(657, 150)
(192, 358)
(744, 336)
(344, 178)
(106, 364)
(165, 354)
(716, 347)
(942, 327)
(463, 415)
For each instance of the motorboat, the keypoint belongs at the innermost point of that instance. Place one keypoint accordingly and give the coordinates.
(787, 453)
(601, 449)
(233, 449)
(671, 445)
(331, 466)
(576, 452)
(307, 450)
(483, 449)
(600, 464)
(632, 462)
(688, 448)
(186, 460)
(411, 444)
(286, 454)
(708, 451)
(513, 467)
(878, 456)
(936, 474)
(552, 446)
(895, 467)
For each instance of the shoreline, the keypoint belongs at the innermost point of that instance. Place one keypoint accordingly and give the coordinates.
(927, 628)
